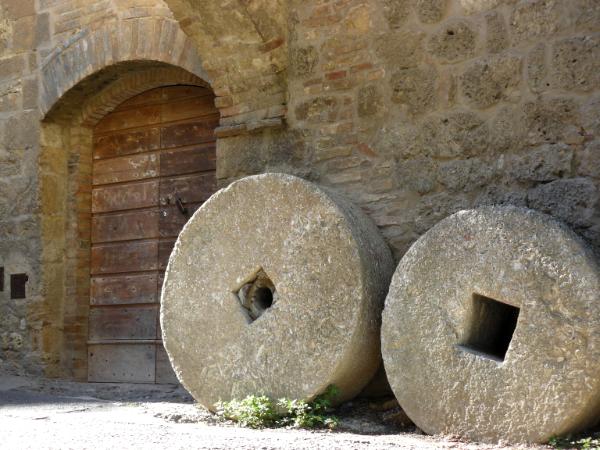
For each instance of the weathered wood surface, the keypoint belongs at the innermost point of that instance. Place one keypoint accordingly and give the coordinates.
(125, 289)
(126, 225)
(125, 363)
(123, 322)
(126, 168)
(136, 256)
(125, 196)
(126, 143)
(192, 133)
(151, 151)
(199, 158)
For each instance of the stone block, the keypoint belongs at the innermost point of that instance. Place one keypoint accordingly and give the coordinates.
(396, 11)
(576, 63)
(547, 163)
(508, 130)
(494, 195)
(534, 19)
(550, 120)
(11, 96)
(466, 175)
(573, 200)
(401, 140)
(303, 60)
(488, 80)
(589, 160)
(318, 109)
(30, 93)
(15, 9)
(12, 67)
(477, 6)
(435, 207)
(454, 134)
(22, 131)
(496, 32)
(416, 88)
(431, 11)
(370, 101)
(584, 14)
(589, 113)
(400, 48)
(455, 41)
(416, 175)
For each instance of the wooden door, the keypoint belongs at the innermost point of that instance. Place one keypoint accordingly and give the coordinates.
(154, 164)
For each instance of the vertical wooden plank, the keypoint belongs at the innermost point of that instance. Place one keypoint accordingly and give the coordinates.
(165, 247)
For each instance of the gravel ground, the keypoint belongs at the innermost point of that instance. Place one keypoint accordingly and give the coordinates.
(50, 414)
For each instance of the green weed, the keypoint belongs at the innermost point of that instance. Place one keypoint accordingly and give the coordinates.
(260, 411)
(579, 442)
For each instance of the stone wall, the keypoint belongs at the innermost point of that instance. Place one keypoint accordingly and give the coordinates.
(413, 108)
(419, 108)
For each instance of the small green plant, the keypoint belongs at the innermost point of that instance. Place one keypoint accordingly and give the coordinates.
(253, 411)
(578, 442)
(260, 411)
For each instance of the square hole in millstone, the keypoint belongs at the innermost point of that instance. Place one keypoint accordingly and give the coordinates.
(490, 328)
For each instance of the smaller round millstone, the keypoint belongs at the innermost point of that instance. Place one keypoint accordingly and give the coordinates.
(275, 287)
(491, 328)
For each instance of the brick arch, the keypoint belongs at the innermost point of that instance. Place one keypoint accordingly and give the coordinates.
(86, 104)
(244, 47)
(90, 52)
(64, 172)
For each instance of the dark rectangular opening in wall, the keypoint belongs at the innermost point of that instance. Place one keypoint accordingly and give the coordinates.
(17, 285)
(491, 327)
(1, 279)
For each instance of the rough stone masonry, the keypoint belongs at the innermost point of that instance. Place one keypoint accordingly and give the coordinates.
(414, 109)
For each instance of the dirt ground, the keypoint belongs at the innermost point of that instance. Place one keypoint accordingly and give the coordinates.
(51, 414)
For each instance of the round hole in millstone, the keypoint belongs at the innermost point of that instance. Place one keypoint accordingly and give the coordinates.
(263, 298)
(315, 268)
(490, 328)
(257, 295)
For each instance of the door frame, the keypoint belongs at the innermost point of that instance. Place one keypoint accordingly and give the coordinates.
(64, 172)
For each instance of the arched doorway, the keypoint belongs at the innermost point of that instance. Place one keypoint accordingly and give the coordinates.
(153, 166)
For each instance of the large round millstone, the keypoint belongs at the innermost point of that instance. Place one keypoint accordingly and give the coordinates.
(275, 286)
(491, 328)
